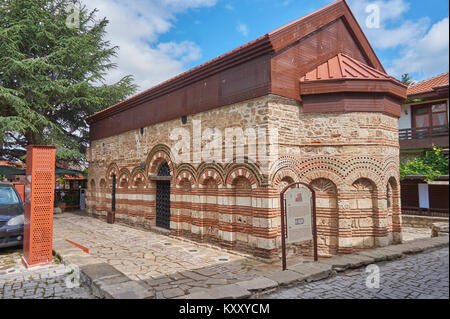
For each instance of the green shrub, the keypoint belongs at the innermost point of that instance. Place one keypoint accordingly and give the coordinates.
(432, 164)
(71, 199)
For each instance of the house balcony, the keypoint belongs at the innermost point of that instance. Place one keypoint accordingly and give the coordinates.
(423, 137)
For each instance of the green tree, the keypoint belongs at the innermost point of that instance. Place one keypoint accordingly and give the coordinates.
(407, 79)
(52, 76)
(432, 164)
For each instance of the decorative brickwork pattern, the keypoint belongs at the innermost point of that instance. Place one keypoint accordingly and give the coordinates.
(350, 158)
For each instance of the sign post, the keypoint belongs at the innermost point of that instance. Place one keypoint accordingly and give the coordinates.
(39, 197)
(298, 216)
(112, 215)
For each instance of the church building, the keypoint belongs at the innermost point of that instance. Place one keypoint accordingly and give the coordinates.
(309, 102)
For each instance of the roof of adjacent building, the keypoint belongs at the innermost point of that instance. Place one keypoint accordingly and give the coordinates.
(74, 178)
(432, 85)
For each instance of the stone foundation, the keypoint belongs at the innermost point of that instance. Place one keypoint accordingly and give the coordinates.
(422, 221)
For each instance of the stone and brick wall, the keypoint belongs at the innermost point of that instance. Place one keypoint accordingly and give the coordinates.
(351, 160)
(422, 221)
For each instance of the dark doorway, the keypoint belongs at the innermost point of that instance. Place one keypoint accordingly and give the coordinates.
(163, 198)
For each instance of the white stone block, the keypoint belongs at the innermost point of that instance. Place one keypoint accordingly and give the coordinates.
(244, 201)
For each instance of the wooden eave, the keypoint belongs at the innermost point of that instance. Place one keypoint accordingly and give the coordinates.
(344, 74)
(247, 52)
(389, 87)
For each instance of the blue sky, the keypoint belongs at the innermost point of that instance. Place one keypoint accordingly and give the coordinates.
(161, 38)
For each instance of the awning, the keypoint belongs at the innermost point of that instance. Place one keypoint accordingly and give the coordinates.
(10, 170)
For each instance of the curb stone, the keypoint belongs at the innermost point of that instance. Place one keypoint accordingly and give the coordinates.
(387, 254)
(233, 291)
(344, 262)
(104, 280)
(287, 277)
(258, 284)
(313, 271)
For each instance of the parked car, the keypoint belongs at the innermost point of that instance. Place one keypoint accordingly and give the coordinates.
(11, 216)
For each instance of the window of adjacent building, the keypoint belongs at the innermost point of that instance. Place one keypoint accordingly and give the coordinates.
(430, 115)
(439, 114)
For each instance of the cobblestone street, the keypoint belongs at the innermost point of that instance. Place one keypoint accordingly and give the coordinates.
(421, 276)
(16, 282)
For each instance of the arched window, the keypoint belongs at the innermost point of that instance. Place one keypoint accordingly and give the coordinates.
(327, 216)
(163, 198)
(389, 195)
(364, 206)
(242, 218)
(287, 180)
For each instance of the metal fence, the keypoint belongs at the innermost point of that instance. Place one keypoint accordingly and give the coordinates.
(431, 212)
(422, 132)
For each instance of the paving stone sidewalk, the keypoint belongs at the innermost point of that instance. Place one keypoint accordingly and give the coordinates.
(169, 267)
(44, 282)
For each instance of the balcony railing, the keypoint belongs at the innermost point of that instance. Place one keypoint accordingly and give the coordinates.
(423, 132)
(432, 212)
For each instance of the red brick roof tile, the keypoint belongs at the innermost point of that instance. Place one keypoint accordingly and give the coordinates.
(429, 85)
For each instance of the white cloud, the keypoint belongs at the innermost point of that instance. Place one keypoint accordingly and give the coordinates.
(185, 51)
(391, 38)
(229, 7)
(391, 13)
(423, 49)
(242, 29)
(426, 56)
(135, 26)
(389, 10)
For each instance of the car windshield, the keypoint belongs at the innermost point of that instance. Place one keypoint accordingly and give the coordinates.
(8, 196)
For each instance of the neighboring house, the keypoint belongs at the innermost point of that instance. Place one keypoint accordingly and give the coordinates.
(424, 120)
(422, 125)
(320, 84)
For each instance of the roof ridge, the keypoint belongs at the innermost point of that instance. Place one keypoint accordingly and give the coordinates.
(268, 43)
(363, 64)
(266, 35)
(347, 63)
(180, 75)
(304, 17)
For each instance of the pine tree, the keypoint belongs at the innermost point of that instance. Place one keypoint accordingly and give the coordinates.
(52, 73)
(407, 79)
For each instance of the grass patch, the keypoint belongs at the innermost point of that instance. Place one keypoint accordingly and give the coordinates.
(56, 259)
